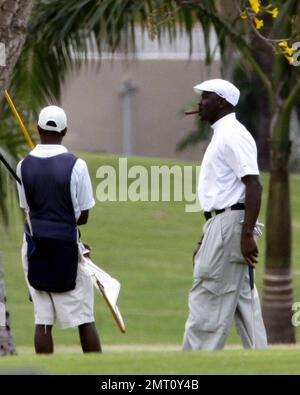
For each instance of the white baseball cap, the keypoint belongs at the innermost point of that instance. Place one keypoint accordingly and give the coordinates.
(53, 119)
(223, 88)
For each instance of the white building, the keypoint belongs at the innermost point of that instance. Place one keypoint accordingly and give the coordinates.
(132, 106)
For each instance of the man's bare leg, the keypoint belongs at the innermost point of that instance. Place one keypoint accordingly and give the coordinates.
(43, 341)
(89, 338)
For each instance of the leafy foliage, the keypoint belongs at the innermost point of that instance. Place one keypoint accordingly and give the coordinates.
(63, 35)
(12, 148)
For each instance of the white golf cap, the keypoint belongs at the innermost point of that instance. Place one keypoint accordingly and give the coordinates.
(53, 119)
(223, 88)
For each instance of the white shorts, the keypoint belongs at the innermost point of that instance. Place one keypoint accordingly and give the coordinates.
(67, 309)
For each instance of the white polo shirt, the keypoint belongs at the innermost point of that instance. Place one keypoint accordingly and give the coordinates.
(231, 155)
(81, 186)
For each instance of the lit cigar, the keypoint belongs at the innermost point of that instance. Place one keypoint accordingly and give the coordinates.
(191, 112)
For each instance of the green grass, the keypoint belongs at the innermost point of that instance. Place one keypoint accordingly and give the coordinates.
(147, 246)
(162, 363)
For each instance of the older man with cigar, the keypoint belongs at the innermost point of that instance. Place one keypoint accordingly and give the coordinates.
(230, 195)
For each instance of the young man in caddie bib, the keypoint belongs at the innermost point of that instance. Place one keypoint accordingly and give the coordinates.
(56, 193)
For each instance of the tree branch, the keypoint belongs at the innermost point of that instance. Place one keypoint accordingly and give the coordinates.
(260, 73)
(292, 98)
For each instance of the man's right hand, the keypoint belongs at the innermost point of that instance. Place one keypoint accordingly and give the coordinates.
(249, 249)
(196, 250)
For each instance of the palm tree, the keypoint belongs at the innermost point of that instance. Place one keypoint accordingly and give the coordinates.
(58, 30)
(14, 16)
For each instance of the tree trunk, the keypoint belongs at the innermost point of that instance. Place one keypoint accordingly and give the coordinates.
(264, 57)
(278, 289)
(14, 16)
(7, 345)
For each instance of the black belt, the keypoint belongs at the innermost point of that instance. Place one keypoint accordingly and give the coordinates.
(209, 214)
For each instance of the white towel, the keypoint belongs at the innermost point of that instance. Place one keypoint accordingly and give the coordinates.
(108, 286)
(2, 314)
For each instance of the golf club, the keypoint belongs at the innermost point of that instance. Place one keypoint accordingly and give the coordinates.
(9, 168)
(19, 120)
(251, 283)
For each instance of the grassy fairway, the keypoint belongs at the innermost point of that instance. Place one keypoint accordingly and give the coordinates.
(147, 246)
(163, 363)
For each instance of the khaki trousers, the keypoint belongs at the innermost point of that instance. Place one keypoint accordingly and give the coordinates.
(221, 293)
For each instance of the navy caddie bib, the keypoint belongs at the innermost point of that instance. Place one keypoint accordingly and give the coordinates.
(52, 236)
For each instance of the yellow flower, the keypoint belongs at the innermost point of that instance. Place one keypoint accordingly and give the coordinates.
(274, 12)
(290, 59)
(258, 23)
(243, 15)
(283, 44)
(285, 49)
(255, 5)
(288, 51)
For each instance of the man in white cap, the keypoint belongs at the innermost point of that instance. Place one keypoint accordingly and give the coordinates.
(56, 193)
(230, 195)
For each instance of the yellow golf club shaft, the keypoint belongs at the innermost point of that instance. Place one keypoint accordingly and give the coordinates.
(19, 120)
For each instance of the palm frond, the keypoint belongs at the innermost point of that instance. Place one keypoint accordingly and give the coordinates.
(62, 35)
